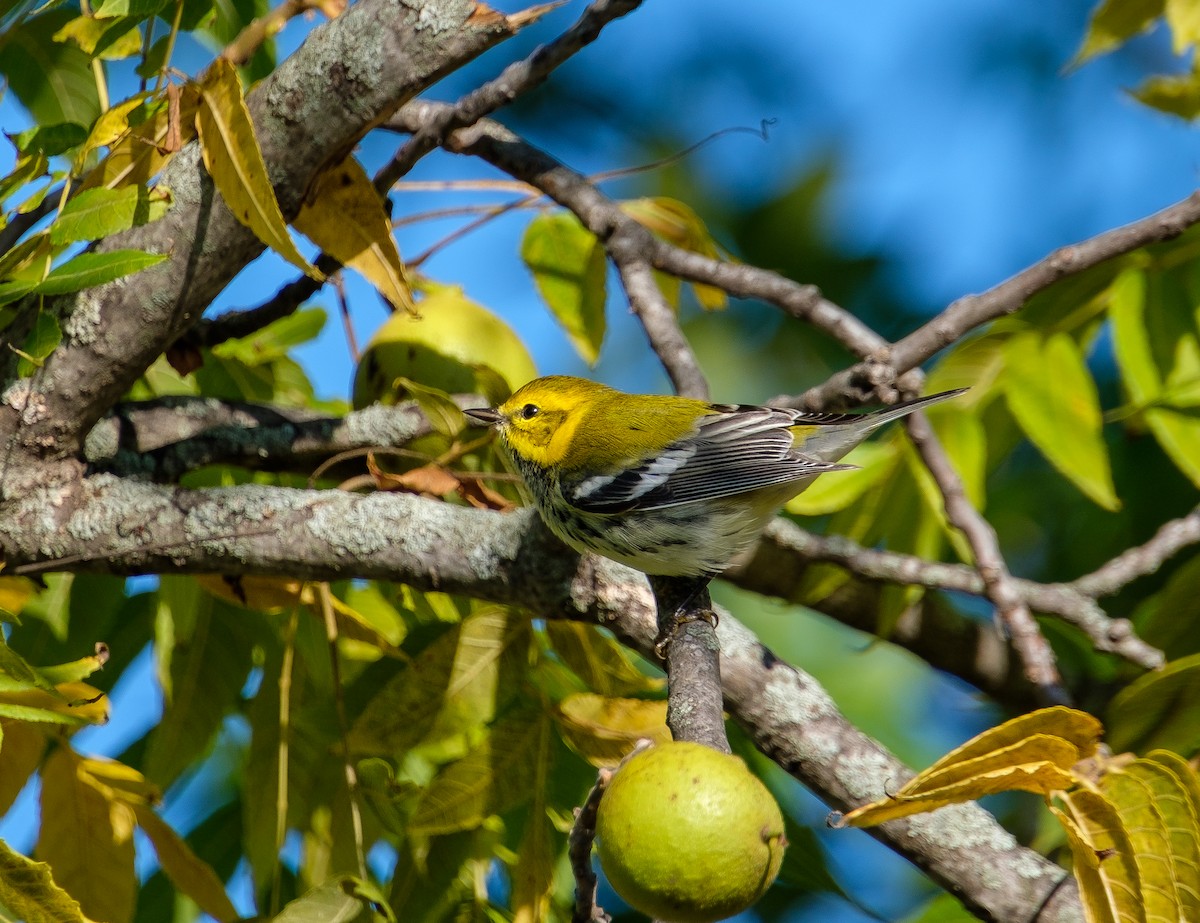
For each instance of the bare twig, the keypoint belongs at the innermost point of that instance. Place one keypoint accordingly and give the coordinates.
(1063, 600)
(659, 321)
(251, 38)
(509, 152)
(1145, 559)
(517, 78)
(1011, 610)
(972, 311)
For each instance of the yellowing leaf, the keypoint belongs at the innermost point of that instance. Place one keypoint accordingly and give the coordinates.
(190, 874)
(533, 871)
(1114, 22)
(137, 156)
(1104, 866)
(677, 223)
(1136, 803)
(568, 266)
(1183, 16)
(603, 730)
(1177, 94)
(1033, 752)
(87, 837)
(1042, 777)
(28, 890)
(603, 664)
(235, 162)
(1054, 399)
(20, 754)
(345, 217)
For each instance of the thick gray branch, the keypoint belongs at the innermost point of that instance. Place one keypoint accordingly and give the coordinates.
(350, 74)
(120, 526)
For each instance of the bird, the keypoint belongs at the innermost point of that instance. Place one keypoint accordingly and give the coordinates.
(672, 486)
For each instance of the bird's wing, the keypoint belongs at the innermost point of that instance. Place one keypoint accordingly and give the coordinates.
(733, 451)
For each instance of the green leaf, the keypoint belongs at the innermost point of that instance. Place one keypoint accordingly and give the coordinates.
(275, 340)
(235, 162)
(53, 81)
(1114, 22)
(1156, 342)
(28, 168)
(51, 139)
(91, 269)
(41, 342)
(490, 779)
(96, 213)
(28, 891)
(141, 9)
(1055, 401)
(569, 268)
(1158, 710)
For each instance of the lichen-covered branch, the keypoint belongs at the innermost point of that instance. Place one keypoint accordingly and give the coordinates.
(118, 525)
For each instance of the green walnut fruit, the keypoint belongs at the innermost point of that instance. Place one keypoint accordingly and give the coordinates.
(688, 834)
(455, 345)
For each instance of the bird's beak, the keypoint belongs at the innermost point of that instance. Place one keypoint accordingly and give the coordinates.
(485, 415)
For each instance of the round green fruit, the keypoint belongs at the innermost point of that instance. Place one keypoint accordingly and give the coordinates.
(455, 345)
(688, 834)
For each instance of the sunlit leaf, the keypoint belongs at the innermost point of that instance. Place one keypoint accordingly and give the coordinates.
(569, 268)
(28, 890)
(345, 217)
(457, 678)
(235, 162)
(1177, 94)
(332, 902)
(1114, 22)
(604, 665)
(41, 342)
(106, 39)
(1054, 398)
(138, 155)
(533, 871)
(276, 340)
(837, 491)
(96, 213)
(1136, 802)
(1104, 863)
(1183, 17)
(678, 223)
(91, 269)
(20, 755)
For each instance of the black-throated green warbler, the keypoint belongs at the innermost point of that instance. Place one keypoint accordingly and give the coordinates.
(671, 486)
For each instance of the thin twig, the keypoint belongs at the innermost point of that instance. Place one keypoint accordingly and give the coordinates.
(509, 152)
(1133, 563)
(519, 77)
(1011, 610)
(972, 311)
(658, 319)
(1062, 600)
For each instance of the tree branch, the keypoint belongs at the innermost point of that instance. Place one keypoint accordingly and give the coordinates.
(972, 311)
(1133, 563)
(769, 574)
(123, 526)
(1011, 610)
(508, 152)
(165, 438)
(370, 60)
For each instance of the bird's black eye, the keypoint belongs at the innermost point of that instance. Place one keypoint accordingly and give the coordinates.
(529, 411)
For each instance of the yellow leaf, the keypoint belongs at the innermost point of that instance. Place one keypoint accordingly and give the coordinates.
(137, 156)
(1145, 797)
(235, 162)
(87, 838)
(20, 754)
(345, 217)
(188, 872)
(603, 664)
(533, 872)
(1037, 748)
(78, 701)
(677, 223)
(1042, 777)
(603, 730)
(1104, 867)
(262, 594)
(1076, 727)
(28, 891)
(14, 593)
